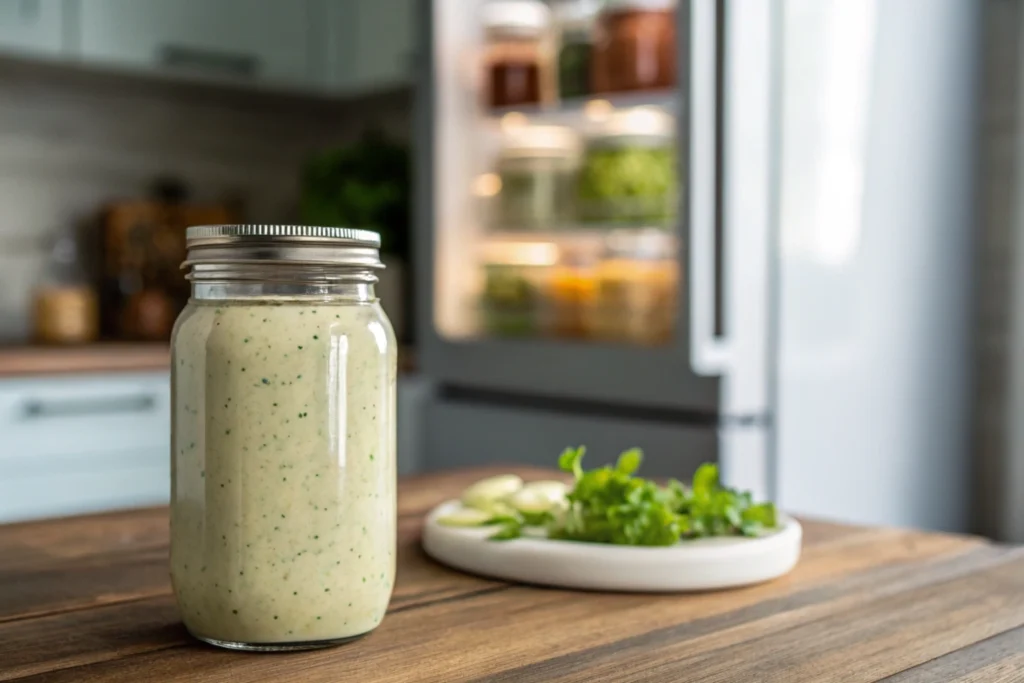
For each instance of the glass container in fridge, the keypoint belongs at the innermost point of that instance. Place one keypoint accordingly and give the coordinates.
(536, 170)
(517, 60)
(515, 276)
(636, 282)
(575, 21)
(635, 46)
(629, 173)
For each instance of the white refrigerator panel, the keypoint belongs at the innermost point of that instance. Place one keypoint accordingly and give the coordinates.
(876, 210)
(739, 352)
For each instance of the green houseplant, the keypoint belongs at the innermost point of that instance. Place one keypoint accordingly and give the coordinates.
(363, 185)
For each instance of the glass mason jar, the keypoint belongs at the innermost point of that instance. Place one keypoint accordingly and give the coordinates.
(537, 168)
(283, 475)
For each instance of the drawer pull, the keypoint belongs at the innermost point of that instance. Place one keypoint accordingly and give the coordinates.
(77, 407)
(211, 61)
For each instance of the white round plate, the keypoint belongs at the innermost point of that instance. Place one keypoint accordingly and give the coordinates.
(705, 564)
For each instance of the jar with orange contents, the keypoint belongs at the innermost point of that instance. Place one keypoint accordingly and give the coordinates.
(571, 289)
(637, 283)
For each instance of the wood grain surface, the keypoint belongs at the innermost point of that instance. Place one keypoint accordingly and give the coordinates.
(26, 361)
(23, 361)
(88, 599)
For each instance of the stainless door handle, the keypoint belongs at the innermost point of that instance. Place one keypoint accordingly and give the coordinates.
(43, 408)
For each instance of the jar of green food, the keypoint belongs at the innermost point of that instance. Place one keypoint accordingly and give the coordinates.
(515, 276)
(537, 168)
(628, 174)
(575, 19)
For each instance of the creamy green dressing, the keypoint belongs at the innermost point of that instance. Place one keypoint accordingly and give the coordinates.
(283, 519)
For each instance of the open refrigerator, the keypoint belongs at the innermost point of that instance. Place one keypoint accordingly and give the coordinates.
(667, 224)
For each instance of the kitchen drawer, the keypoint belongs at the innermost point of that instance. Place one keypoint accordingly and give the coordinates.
(75, 444)
(467, 433)
(116, 480)
(71, 417)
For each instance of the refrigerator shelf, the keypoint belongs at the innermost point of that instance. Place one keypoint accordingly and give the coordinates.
(591, 108)
(572, 233)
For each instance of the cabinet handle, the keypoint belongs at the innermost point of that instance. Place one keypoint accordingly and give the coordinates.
(77, 407)
(202, 59)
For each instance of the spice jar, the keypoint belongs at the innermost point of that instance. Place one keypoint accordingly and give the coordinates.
(516, 61)
(637, 289)
(515, 276)
(537, 169)
(635, 46)
(575, 20)
(283, 522)
(628, 174)
(64, 306)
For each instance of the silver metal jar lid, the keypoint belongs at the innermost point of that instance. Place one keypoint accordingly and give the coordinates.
(282, 244)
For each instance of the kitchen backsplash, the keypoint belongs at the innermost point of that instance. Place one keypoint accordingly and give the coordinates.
(72, 140)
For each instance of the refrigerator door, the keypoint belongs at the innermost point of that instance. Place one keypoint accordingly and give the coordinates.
(719, 313)
(876, 227)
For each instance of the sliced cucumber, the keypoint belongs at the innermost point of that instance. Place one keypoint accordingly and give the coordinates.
(538, 498)
(553, 490)
(465, 517)
(487, 493)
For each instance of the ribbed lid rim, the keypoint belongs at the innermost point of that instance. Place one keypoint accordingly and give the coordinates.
(229, 232)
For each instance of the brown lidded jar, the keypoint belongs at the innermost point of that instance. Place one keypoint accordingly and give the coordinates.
(517, 63)
(635, 46)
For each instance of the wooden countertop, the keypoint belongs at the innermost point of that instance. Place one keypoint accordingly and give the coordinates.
(20, 361)
(88, 599)
(27, 361)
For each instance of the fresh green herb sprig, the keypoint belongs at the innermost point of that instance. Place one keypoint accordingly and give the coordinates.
(611, 505)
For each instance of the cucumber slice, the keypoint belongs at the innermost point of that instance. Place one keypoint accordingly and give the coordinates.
(484, 494)
(552, 490)
(538, 498)
(465, 517)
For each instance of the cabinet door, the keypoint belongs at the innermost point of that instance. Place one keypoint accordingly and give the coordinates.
(83, 443)
(31, 26)
(266, 40)
(371, 44)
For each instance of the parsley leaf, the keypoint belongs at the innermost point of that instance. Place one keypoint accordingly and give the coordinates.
(611, 505)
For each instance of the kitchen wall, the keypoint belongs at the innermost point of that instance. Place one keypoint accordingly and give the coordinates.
(71, 140)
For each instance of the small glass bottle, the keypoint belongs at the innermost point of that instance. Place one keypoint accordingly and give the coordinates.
(283, 475)
(65, 309)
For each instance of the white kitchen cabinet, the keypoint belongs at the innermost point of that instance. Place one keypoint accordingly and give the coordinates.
(32, 27)
(75, 444)
(260, 41)
(371, 44)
